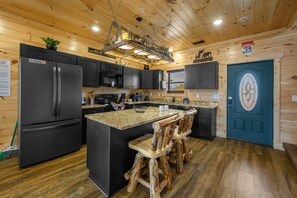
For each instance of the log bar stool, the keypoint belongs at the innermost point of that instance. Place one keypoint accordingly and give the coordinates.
(180, 138)
(153, 147)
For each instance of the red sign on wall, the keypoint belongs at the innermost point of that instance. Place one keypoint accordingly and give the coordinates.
(247, 48)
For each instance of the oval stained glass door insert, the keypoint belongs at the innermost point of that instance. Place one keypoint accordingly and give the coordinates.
(248, 92)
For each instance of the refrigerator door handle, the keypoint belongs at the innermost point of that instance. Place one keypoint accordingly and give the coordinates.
(54, 90)
(59, 91)
(71, 123)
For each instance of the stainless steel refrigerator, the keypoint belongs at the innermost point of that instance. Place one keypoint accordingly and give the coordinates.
(50, 110)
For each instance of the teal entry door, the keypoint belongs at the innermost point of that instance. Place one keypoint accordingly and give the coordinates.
(250, 102)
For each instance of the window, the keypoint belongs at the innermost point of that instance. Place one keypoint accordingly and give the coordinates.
(176, 81)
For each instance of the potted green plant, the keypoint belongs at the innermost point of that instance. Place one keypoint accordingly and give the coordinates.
(51, 43)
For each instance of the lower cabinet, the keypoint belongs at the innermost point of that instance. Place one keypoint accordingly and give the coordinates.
(84, 121)
(204, 124)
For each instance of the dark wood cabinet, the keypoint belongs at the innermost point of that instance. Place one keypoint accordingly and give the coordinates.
(151, 79)
(131, 78)
(84, 121)
(202, 76)
(91, 72)
(112, 68)
(205, 123)
(45, 54)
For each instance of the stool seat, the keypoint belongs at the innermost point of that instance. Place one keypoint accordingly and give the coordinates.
(143, 145)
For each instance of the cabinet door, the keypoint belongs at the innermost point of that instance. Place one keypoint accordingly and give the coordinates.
(205, 123)
(33, 52)
(127, 77)
(61, 57)
(105, 66)
(83, 62)
(192, 77)
(91, 69)
(146, 79)
(157, 78)
(93, 73)
(209, 76)
(116, 68)
(135, 78)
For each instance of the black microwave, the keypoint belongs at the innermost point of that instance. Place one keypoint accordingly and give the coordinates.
(110, 79)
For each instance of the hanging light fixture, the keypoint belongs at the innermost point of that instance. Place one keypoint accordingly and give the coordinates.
(127, 43)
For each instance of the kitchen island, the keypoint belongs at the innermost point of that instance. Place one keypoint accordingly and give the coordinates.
(108, 135)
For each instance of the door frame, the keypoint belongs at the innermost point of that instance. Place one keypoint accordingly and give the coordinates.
(228, 66)
(276, 57)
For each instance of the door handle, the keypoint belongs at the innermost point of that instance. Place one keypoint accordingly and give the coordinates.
(54, 90)
(59, 91)
(65, 124)
(229, 100)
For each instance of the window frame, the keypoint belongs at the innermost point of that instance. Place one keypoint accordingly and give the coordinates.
(168, 79)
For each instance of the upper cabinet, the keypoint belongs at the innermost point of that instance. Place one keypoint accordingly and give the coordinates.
(111, 68)
(91, 72)
(45, 54)
(131, 78)
(202, 76)
(151, 79)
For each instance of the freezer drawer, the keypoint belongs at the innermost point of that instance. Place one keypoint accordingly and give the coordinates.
(42, 142)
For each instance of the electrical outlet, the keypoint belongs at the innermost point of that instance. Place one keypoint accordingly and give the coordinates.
(294, 98)
(162, 94)
(215, 96)
(151, 94)
(158, 93)
(197, 95)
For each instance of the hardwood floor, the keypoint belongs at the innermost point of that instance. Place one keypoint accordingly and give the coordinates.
(219, 168)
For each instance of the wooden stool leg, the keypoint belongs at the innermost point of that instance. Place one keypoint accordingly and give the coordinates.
(154, 179)
(135, 173)
(166, 170)
(179, 157)
(186, 150)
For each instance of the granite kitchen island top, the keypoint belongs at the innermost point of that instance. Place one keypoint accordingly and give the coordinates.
(129, 118)
(209, 105)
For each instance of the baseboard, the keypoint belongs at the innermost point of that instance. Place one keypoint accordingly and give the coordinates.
(221, 134)
(278, 147)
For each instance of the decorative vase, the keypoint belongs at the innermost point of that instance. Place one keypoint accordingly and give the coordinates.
(51, 47)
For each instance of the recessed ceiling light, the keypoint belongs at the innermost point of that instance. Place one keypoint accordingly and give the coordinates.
(95, 28)
(170, 50)
(218, 22)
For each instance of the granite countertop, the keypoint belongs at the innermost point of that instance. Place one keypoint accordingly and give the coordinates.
(198, 104)
(129, 118)
(88, 106)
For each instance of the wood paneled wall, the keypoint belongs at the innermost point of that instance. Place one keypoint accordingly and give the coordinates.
(275, 45)
(281, 47)
(15, 30)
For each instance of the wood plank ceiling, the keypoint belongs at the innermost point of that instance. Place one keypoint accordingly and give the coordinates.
(175, 23)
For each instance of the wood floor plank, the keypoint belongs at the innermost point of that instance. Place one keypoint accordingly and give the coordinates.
(218, 168)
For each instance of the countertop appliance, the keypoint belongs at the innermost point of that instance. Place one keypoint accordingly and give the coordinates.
(106, 99)
(50, 110)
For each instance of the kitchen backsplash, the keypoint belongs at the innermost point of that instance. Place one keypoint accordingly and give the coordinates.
(193, 95)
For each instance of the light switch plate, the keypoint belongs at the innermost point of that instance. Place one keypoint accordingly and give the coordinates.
(294, 98)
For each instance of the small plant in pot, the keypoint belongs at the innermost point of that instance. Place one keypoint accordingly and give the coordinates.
(51, 43)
